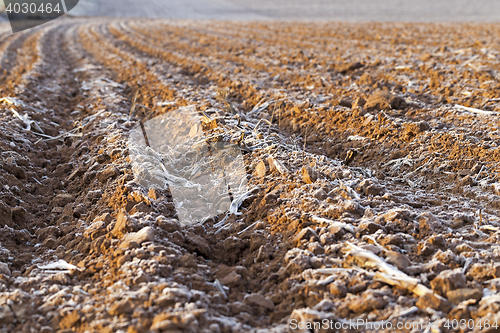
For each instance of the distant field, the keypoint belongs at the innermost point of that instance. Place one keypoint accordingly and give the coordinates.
(337, 10)
(355, 10)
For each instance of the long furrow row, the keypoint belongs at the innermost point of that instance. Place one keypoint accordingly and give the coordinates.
(39, 86)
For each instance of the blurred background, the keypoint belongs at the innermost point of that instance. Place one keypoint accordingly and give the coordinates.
(352, 10)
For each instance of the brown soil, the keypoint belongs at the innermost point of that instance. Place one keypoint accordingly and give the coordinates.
(391, 164)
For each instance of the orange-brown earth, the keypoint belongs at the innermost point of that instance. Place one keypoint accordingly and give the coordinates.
(382, 148)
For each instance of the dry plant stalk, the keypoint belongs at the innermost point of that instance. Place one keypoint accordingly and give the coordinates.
(388, 273)
(474, 110)
(134, 100)
(222, 96)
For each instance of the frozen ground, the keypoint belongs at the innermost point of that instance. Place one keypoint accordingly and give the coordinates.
(366, 144)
